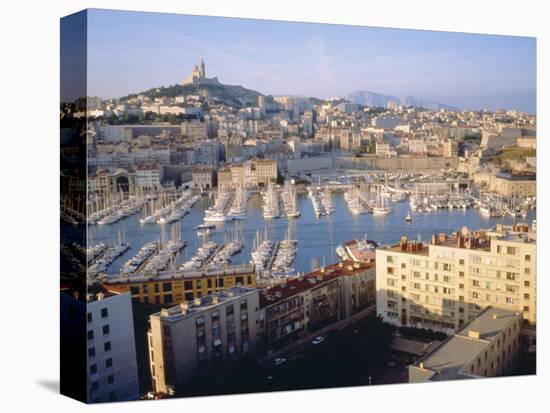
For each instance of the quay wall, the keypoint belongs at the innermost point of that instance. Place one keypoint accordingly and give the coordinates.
(400, 163)
(294, 166)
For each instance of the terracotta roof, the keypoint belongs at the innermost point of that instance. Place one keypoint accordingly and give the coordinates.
(314, 279)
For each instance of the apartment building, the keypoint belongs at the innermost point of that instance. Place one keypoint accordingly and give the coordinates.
(447, 283)
(320, 300)
(488, 346)
(195, 337)
(203, 177)
(149, 177)
(174, 287)
(258, 172)
(111, 352)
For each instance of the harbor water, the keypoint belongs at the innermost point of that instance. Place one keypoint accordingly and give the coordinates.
(317, 236)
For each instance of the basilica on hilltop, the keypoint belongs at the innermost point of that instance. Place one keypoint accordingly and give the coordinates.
(198, 76)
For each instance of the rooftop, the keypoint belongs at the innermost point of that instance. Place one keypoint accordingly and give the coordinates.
(448, 360)
(243, 269)
(200, 304)
(468, 239)
(314, 279)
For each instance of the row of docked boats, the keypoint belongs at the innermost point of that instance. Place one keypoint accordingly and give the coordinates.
(117, 211)
(165, 211)
(217, 212)
(204, 252)
(289, 201)
(271, 203)
(108, 255)
(233, 244)
(262, 252)
(321, 201)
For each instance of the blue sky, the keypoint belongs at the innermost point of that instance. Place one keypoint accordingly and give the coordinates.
(133, 51)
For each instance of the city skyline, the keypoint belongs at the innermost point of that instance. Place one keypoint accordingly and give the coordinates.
(469, 71)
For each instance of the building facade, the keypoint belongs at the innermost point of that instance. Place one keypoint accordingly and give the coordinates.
(320, 300)
(203, 178)
(197, 336)
(175, 287)
(513, 184)
(489, 346)
(447, 283)
(111, 352)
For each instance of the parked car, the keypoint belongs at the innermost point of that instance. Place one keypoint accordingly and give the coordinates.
(318, 340)
(278, 361)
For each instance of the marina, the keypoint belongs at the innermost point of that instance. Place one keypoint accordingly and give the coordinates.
(317, 236)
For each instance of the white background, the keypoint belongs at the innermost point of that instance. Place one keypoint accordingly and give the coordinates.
(29, 246)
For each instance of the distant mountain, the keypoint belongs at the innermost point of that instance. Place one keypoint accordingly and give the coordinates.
(368, 98)
(234, 95)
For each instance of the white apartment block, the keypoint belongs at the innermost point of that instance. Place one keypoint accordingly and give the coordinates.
(199, 335)
(111, 352)
(446, 284)
(149, 177)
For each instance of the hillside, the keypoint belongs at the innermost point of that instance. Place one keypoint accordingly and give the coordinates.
(229, 94)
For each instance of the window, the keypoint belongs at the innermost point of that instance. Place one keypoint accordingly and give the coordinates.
(511, 250)
(93, 369)
(109, 363)
(527, 270)
(89, 317)
(239, 280)
(403, 265)
(243, 305)
(188, 285)
(167, 298)
(95, 385)
(106, 329)
(220, 282)
(145, 289)
(229, 309)
(526, 283)
(209, 283)
(112, 396)
(110, 379)
(157, 288)
(249, 279)
(90, 334)
(107, 346)
(104, 313)
(134, 290)
(527, 257)
(91, 352)
(461, 261)
(526, 309)
(166, 286)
